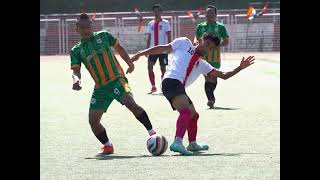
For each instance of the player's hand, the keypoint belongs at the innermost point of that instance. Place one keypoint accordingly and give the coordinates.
(130, 69)
(77, 86)
(135, 57)
(247, 62)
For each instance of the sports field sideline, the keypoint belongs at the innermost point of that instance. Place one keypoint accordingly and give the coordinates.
(243, 132)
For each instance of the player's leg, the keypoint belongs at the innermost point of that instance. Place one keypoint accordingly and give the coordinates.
(99, 104)
(151, 62)
(163, 61)
(138, 112)
(209, 86)
(124, 96)
(192, 132)
(175, 93)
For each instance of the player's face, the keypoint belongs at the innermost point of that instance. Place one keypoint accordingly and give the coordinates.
(157, 11)
(84, 28)
(211, 15)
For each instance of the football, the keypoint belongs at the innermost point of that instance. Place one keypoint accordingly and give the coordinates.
(157, 144)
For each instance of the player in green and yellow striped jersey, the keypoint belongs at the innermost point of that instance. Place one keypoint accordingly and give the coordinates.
(95, 53)
(213, 57)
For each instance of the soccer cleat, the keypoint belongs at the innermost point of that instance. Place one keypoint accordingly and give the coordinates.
(211, 103)
(180, 149)
(105, 150)
(153, 89)
(197, 147)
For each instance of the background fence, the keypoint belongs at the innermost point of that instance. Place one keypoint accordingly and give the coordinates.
(58, 35)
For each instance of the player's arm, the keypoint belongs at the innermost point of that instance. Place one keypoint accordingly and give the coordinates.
(148, 40)
(124, 55)
(76, 76)
(149, 35)
(160, 49)
(226, 75)
(169, 36)
(225, 37)
(75, 67)
(168, 32)
(224, 42)
(198, 34)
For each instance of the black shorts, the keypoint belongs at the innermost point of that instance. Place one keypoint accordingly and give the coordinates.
(172, 88)
(163, 59)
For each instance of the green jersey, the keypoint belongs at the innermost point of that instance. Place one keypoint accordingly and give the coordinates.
(96, 55)
(219, 30)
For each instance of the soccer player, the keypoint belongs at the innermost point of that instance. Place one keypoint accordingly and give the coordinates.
(94, 52)
(213, 57)
(183, 70)
(159, 33)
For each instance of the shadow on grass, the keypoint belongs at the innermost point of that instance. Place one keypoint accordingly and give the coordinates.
(111, 157)
(203, 153)
(200, 153)
(156, 94)
(222, 108)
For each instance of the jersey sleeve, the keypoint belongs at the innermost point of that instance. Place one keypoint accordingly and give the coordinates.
(113, 41)
(75, 59)
(224, 33)
(168, 27)
(205, 68)
(198, 31)
(149, 27)
(176, 43)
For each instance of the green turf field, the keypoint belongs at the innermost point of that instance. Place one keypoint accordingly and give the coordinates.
(243, 132)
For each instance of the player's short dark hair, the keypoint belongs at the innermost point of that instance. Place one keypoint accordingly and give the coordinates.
(83, 16)
(156, 6)
(212, 37)
(213, 7)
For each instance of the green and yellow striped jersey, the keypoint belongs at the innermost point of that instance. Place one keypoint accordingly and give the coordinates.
(97, 56)
(219, 30)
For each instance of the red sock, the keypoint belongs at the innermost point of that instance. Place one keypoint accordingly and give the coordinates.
(151, 78)
(182, 122)
(193, 128)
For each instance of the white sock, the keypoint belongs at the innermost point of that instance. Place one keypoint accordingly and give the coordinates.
(178, 140)
(108, 143)
(151, 131)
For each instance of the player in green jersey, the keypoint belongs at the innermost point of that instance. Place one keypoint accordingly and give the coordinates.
(95, 53)
(213, 57)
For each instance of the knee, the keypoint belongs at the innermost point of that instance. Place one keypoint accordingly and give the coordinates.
(194, 116)
(131, 104)
(93, 120)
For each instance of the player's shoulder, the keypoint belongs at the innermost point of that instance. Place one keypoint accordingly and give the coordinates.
(203, 23)
(183, 40)
(76, 47)
(165, 21)
(219, 23)
(151, 22)
(102, 32)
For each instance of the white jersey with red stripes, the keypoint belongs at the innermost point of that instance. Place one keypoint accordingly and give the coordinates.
(158, 31)
(185, 65)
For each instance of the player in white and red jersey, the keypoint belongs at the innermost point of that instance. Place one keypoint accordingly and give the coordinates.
(184, 68)
(159, 33)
